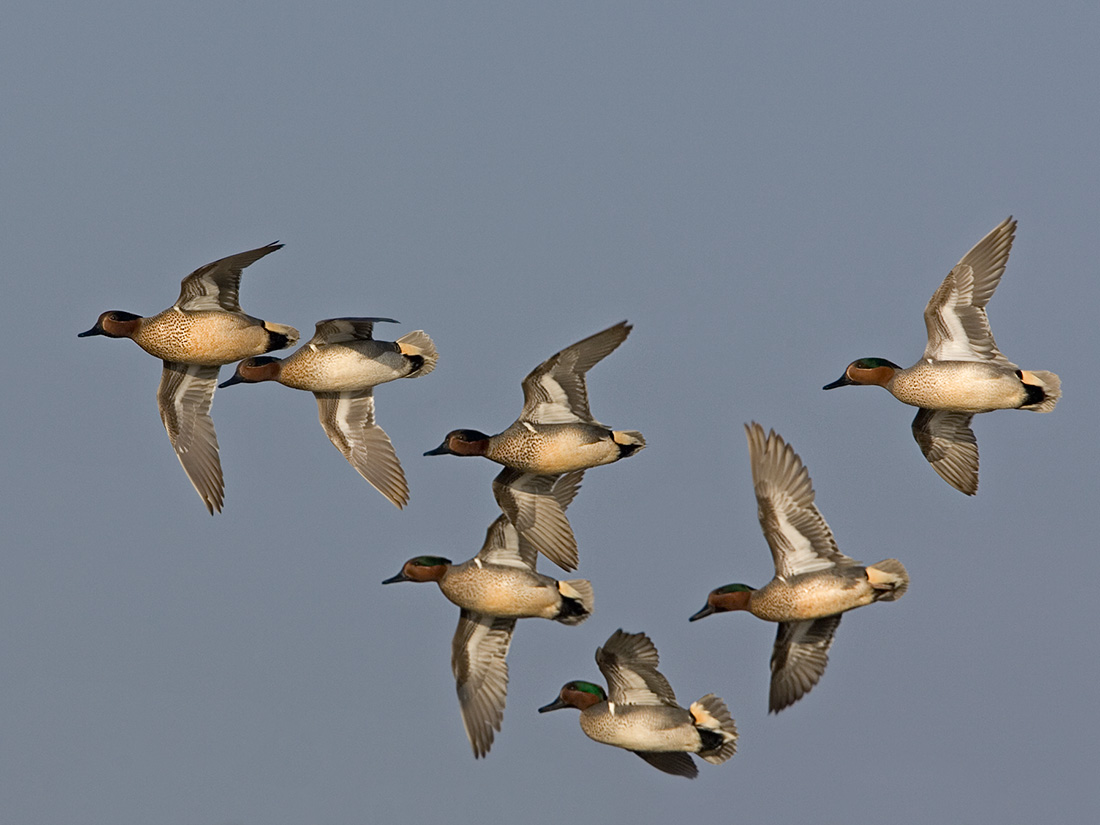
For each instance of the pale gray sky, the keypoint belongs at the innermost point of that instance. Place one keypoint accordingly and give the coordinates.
(767, 193)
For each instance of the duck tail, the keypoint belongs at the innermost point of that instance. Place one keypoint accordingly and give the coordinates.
(280, 336)
(576, 601)
(890, 580)
(417, 344)
(1043, 390)
(629, 441)
(716, 729)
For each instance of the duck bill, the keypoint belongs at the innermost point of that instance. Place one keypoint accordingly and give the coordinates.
(557, 704)
(702, 614)
(442, 449)
(843, 381)
(400, 577)
(96, 330)
(229, 382)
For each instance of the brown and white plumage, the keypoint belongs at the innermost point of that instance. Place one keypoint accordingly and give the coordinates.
(962, 372)
(493, 589)
(341, 364)
(554, 434)
(814, 582)
(204, 329)
(639, 711)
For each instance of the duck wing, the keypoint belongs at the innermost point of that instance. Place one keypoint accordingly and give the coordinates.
(555, 392)
(536, 504)
(949, 444)
(796, 532)
(677, 764)
(343, 330)
(479, 653)
(216, 285)
(502, 546)
(958, 328)
(184, 397)
(629, 663)
(348, 421)
(798, 659)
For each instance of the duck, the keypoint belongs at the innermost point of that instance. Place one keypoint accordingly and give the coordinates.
(554, 434)
(962, 372)
(492, 590)
(814, 582)
(638, 712)
(202, 331)
(341, 365)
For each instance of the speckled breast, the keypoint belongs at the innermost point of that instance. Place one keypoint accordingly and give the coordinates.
(554, 448)
(641, 727)
(962, 386)
(206, 338)
(507, 592)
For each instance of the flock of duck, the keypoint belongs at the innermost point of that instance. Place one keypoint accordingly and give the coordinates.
(544, 455)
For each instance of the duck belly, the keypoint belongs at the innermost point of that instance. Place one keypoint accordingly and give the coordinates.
(658, 728)
(812, 596)
(344, 368)
(508, 593)
(959, 386)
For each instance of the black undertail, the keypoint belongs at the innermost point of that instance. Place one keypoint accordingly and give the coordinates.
(276, 340)
(416, 363)
(1035, 394)
(711, 740)
(570, 608)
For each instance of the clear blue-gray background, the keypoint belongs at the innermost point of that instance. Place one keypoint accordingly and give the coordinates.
(767, 191)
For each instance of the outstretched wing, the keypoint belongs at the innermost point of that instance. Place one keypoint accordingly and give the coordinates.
(348, 421)
(184, 397)
(536, 504)
(798, 659)
(629, 663)
(555, 392)
(796, 532)
(958, 329)
(216, 285)
(949, 444)
(479, 653)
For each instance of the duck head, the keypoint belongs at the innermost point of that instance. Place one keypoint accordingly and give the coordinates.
(114, 324)
(421, 569)
(724, 599)
(866, 371)
(462, 442)
(253, 370)
(576, 695)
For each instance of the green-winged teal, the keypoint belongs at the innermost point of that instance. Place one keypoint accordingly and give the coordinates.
(202, 331)
(493, 589)
(341, 364)
(814, 582)
(961, 372)
(554, 434)
(639, 711)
